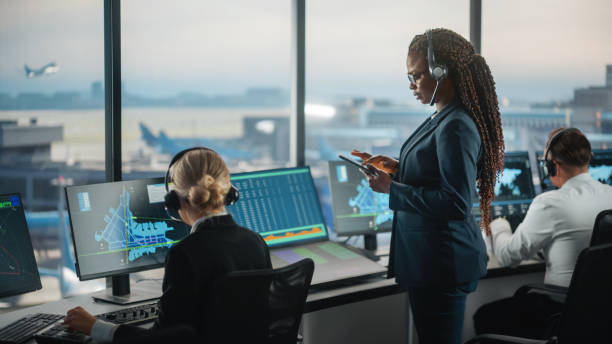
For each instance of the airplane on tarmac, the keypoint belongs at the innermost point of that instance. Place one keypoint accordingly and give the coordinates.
(166, 145)
(48, 69)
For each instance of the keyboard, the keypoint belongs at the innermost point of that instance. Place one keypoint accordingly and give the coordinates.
(23, 329)
(135, 315)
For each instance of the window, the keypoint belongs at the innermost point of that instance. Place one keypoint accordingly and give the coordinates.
(549, 63)
(51, 118)
(214, 74)
(357, 94)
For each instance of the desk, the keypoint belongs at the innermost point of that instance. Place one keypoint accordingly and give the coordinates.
(358, 313)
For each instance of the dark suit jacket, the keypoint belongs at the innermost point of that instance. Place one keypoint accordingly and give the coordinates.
(435, 241)
(217, 247)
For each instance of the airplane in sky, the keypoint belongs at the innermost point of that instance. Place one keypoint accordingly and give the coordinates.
(48, 69)
(166, 145)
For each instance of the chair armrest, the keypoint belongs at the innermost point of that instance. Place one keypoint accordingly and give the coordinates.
(501, 339)
(550, 289)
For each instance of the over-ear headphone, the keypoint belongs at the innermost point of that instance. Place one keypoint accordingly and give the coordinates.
(437, 71)
(171, 200)
(548, 166)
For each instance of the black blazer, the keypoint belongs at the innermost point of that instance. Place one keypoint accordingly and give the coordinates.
(218, 246)
(435, 240)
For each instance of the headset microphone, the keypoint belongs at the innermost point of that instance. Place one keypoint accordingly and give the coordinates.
(548, 166)
(438, 72)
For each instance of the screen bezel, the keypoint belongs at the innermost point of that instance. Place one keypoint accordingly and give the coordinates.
(37, 285)
(85, 277)
(303, 242)
(349, 233)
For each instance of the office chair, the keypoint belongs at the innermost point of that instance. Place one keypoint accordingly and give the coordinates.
(602, 231)
(585, 316)
(177, 334)
(262, 306)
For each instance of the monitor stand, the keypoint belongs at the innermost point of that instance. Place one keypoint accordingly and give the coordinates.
(369, 246)
(121, 294)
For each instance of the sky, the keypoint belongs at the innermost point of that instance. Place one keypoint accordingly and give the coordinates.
(537, 50)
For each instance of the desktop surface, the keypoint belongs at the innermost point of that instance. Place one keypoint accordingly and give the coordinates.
(121, 227)
(356, 208)
(18, 270)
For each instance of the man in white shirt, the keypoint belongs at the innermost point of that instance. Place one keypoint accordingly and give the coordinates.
(558, 222)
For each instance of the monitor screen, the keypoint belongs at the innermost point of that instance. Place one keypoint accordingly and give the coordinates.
(121, 227)
(281, 205)
(18, 270)
(356, 208)
(600, 168)
(514, 188)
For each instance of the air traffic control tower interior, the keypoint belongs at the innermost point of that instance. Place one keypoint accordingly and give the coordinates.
(93, 109)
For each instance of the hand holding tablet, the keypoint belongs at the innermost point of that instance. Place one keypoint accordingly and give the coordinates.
(366, 169)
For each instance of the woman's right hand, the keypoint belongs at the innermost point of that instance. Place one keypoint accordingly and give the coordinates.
(363, 155)
(383, 162)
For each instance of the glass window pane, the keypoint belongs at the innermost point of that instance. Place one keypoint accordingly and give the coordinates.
(357, 93)
(206, 73)
(51, 123)
(551, 63)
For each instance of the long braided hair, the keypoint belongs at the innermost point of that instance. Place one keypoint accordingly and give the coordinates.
(475, 87)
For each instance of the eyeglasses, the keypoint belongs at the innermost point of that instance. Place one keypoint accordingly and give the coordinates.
(413, 78)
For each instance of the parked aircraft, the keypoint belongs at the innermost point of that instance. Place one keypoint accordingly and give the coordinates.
(166, 145)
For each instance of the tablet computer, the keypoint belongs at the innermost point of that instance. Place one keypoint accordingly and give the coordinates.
(362, 167)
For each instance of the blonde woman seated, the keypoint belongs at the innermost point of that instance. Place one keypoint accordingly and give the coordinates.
(215, 246)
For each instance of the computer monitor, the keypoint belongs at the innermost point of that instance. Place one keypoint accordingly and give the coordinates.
(18, 270)
(514, 190)
(281, 205)
(119, 228)
(356, 208)
(600, 168)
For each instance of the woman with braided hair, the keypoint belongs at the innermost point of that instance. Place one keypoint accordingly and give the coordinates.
(437, 251)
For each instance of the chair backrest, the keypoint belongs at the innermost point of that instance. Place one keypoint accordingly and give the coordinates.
(260, 306)
(602, 231)
(585, 317)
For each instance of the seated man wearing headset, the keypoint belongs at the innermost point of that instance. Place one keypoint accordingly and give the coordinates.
(558, 222)
(215, 246)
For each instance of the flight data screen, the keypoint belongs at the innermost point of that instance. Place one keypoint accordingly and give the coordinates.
(600, 167)
(121, 226)
(18, 270)
(514, 190)
(356, 208)
(281, 205)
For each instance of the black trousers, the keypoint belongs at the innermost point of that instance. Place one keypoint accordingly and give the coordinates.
(531, 315)
(438, 313)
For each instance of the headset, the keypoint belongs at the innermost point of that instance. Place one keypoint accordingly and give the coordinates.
(171, 200)
(548, 166)
(438, 72)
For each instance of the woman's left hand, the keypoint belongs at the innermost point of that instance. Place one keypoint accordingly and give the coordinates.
(80, 320)
(381, 182)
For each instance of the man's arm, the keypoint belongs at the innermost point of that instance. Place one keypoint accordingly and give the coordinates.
(531, 235)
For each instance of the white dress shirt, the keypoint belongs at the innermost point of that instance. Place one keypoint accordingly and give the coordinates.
(560, 222)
